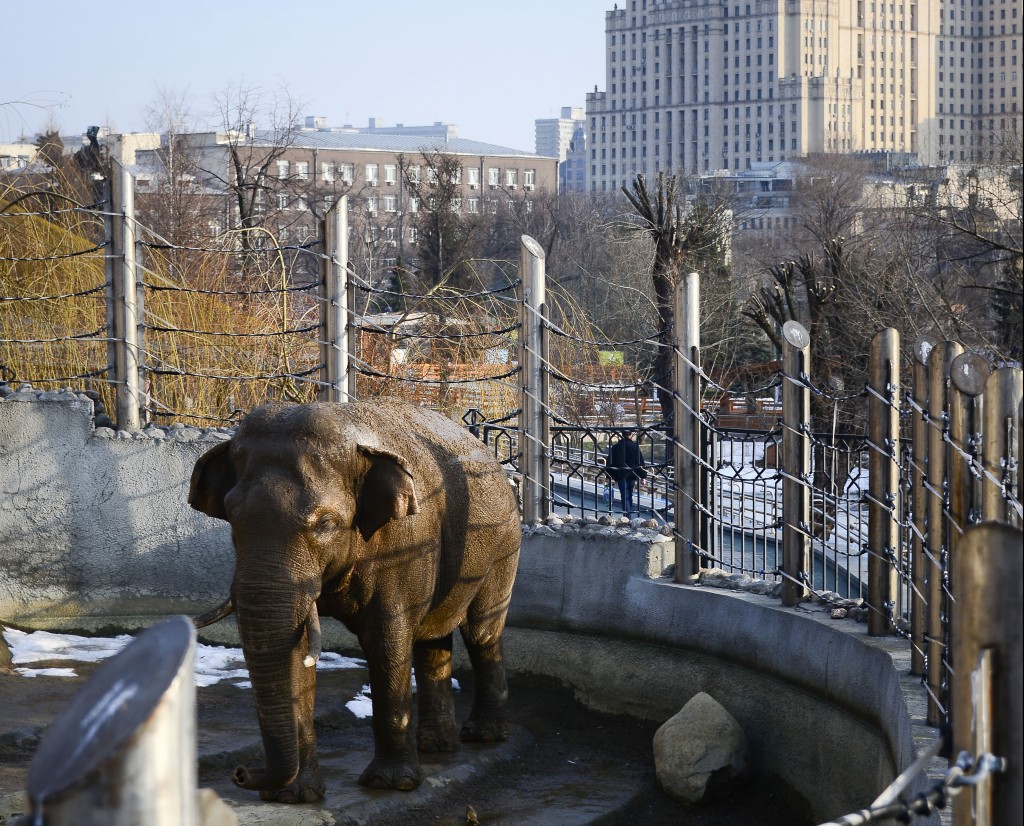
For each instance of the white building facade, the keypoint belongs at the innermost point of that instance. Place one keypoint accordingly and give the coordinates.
(695, 86)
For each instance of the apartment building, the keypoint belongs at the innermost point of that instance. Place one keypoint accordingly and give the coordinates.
(386, 172)
(696, 86)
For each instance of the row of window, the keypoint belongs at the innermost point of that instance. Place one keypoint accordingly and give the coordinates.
(331, 171)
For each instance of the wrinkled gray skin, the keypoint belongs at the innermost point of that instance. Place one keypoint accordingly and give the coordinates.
(397, 522)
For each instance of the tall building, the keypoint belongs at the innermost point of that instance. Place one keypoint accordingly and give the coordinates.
(565, 138)
(696, 86)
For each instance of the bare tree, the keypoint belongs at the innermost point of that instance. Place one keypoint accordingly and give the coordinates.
(687, 236)
(257, 133)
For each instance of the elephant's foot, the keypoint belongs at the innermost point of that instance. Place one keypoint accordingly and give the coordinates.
(485, 730)
(308, 786)
(442, 737)
(382, 773)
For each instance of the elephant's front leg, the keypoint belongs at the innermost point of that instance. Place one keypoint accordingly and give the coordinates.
(437, 730)
(394, 764)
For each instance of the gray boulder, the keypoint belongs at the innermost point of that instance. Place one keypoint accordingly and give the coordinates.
(700, 754)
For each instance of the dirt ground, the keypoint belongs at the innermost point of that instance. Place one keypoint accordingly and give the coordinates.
(563, 764)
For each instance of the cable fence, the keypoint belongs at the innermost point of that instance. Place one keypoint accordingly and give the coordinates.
(878, 522)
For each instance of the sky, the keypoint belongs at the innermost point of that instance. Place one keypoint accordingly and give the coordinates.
(490, 67)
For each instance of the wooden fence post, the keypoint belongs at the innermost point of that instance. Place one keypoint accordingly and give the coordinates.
(986, 703)
(796, 463)
(533, 416)
(335, 349)
(938, 377)
(687, 447)
(883, 480)
(1000, 445)
(919, 505)
(127, 310)
(123, 751)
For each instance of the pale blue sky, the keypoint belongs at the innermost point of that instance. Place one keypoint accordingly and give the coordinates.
(490, 67)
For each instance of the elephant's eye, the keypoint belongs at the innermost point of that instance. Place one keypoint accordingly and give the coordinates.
(326, 523)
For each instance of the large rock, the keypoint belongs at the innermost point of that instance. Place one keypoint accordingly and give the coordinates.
(700, 754)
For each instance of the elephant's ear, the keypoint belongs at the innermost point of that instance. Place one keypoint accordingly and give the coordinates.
(212, 477)
(386, 492)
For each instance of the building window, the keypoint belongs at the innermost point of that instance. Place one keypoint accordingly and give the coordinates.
(390, 174)
(473, 177)
(493, 176)
(414, 204)
(412, 172)
(372, 174)
(347, 172)
(327, 172)
(511, 178)
(473, 205)
(529, 178)
(282, 200)
(390, 203)
(371, 204)
(302, 170)
(283, 169)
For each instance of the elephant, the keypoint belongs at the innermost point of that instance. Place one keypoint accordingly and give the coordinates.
(397, 522)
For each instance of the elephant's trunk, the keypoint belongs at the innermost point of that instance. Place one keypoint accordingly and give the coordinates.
(272, 620)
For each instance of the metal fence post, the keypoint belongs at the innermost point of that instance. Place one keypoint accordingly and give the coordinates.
(123, 751)
(985, 634)
(687, 447)
(334, 349)
(127, 318)
(883, 480)
(533, 417)
(938, 377)
(796, 463)
(918, 499)
(1000, 446)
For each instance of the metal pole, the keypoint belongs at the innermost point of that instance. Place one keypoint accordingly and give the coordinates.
(335, 349)
(883, 480)
(123, 751)
(938, 376)
(533, 421)
(1000, 445)
(796, 463)
(919, 500)
(985, 635)
(687, 447)
(126, 311)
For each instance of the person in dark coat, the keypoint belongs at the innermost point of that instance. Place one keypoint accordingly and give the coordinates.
(626, 466)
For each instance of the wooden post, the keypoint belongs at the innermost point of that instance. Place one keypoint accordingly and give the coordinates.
(967, 375)
(1000, 446)
(533, 415)
(687, 448)
(985, 635)
(883, 484)
(127, 317)
(938, 377)
(335, 351)
(123, 752)
(919, 500)
(796, 463)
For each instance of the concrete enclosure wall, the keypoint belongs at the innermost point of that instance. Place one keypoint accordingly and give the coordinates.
(92, 524)
(95, 529)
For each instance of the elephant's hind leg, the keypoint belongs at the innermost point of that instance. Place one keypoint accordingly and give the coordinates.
(485, 623)
(432, 661)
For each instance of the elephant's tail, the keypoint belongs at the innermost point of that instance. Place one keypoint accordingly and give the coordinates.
(225, 609)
